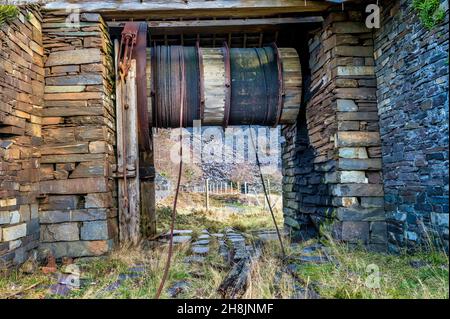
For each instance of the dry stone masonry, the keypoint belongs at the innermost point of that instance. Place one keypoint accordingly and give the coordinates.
(413, 106)
(332, 156)
(367, 158)
(21, 101)
(78, 210)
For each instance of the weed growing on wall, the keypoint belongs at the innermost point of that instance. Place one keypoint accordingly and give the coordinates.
(8, 13)
(430, 12)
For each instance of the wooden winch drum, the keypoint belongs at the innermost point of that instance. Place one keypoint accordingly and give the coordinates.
(222, 86)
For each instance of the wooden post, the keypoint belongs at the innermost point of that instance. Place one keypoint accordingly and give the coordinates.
(127, 129)
(207, 194)
(148, 209)
(257, 198)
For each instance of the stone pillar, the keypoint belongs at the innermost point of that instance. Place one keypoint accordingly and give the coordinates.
(21, 96)
(78, 215)
(333, 152)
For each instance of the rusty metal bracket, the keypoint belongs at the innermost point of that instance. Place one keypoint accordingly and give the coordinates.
(226, 57)
(147, 172)
(127, 43)
(134, 46)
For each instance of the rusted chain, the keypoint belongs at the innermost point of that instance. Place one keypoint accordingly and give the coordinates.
(174, 210)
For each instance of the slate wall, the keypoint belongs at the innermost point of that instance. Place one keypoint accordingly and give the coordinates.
(21, 99)
(332, 156)
(412, 75)
(78, 214)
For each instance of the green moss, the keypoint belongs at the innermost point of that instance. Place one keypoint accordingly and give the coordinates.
(8, 13)
(430, 12)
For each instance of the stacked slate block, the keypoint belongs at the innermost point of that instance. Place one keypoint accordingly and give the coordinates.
(332, 156)
(21, 98)
(78, 214)
(412, 74)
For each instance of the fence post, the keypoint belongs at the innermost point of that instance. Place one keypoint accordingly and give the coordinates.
(207, 194)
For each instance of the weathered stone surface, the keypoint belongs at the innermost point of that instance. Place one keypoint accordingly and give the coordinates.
(81, 215)
(54, 216)
(98, 147)
(356, 139)
(69, 158)
(346, 190)
(14, 232)
(66, 149)
(95, 230)
(349, 27)
(355, 70)
(64, 89)
(355, 232)
(358, 213)
(70, 57)
(353, 177)
(73, 96)
(359, 51)
(353, 152)
(200, 250)
(74, 186)
(82, 79)
(60, 232)
(378, 232)
(68, 111)
(89, 169)
(346, 105)
(413, 106)
(4, 217)
(77, 248)
(360, 164)
(357, 116)
(14, 217)
(97, 200)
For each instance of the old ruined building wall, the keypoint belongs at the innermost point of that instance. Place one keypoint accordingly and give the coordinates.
(332, 156)
(78, 214)
(412, 74)
(21, 98)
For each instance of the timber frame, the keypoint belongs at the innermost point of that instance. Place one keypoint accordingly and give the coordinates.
(169, 9)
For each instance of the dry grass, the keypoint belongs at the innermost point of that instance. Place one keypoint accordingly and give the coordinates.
(222, 214)
(345, 278)
(267, 280)
(354, 273)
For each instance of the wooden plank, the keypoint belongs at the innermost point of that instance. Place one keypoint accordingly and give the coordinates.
(221, 26)
(126, 124)
(156, 9)
(292, 81)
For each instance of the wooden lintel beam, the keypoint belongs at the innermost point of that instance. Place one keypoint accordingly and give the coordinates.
(159, 9)
(221, 26)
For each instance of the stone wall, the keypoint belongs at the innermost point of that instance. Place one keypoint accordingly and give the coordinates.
(412, 75)
(78, 214)
(332, 156)
(21, 97)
